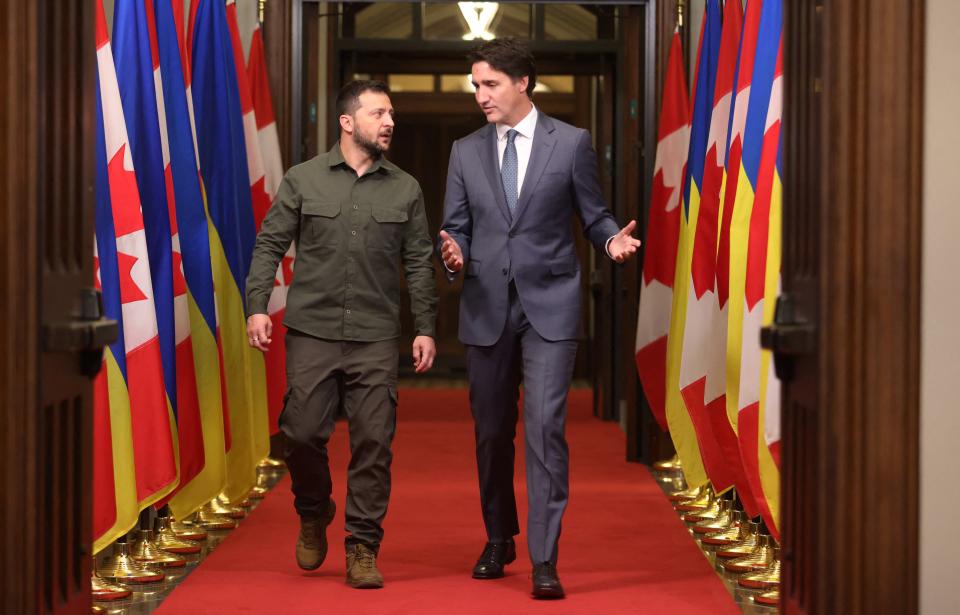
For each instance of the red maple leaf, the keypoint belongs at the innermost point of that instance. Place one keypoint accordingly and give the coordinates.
(179, 282)
(261, 201)
(124, 196)
(287, 264)
(129, 291)
(663, 234)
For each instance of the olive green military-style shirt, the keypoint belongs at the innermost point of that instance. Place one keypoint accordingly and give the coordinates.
(351, 234)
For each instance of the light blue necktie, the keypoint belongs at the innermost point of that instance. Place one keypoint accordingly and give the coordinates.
(509, 169)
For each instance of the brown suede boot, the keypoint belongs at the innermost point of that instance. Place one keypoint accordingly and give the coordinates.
(362, 570)
(312, 543)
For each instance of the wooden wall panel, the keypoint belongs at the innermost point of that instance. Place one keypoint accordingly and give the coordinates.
(47, 166)
(18, 306)
(278, 36)
(853, 86)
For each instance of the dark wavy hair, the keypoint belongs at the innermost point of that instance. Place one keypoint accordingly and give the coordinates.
(348, 99)
(510, 56)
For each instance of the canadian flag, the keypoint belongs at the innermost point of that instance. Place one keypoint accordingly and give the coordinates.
(266, 172)
(663, 231)
(154, 455)
(276, 359)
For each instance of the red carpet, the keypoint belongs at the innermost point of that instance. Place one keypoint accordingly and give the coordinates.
(623, 548)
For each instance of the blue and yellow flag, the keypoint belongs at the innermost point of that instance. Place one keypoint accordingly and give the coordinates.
(194, 229)
(223, 164)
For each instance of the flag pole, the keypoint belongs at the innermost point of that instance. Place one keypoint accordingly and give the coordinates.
(261, 5)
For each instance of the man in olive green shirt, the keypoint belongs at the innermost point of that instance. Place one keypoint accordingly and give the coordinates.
(353, 216)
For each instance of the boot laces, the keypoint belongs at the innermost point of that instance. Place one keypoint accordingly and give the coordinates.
(365, 558)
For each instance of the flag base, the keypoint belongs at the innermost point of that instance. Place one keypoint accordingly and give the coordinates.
(246, 502)
(271, 465)
(260, 490)
(146, 551)
(101, 589)
(765, 579)
(732, 534)
(702, 501)
(121, 567)
(668, 465)
(704, 524)
(684, 494)
(209, 520)
(188, 531)
(167, 539)
(770, 598)
(709, 513)
(745, 546)
(759, 559)
(218, 506)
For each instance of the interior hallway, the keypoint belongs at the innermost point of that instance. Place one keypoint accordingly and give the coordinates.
(624, 550)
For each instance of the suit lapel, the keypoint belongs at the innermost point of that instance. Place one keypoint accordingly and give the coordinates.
(540, 152)
(487, 150)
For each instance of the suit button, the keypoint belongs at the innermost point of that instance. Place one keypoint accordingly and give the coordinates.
(504, 271)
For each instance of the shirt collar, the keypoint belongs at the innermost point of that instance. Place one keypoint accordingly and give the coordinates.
(335, 159)
(525, 127)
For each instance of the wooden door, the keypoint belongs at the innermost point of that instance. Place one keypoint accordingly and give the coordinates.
(601, 274)
(48, 353)
(848, 325)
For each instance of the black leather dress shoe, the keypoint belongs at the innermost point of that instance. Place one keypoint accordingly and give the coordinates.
(495, 556)
(546, 582)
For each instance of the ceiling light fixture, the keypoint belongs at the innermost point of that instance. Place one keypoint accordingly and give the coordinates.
(479, 16)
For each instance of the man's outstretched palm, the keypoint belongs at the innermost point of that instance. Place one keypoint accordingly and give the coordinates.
(623, 245)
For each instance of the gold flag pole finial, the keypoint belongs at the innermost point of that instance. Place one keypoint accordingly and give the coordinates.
(680, 7)
(261, 5)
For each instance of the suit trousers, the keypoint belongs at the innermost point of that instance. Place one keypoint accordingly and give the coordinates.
(494, 373)
(322, 374)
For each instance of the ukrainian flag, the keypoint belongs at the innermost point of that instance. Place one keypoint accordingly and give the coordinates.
(223, 164)
(194, 229)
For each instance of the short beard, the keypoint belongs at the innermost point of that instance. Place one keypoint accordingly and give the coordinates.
(372, 148)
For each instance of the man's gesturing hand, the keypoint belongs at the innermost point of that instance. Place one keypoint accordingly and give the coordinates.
(623, 246)
(259, 329)
(424, 351)
(450, 251)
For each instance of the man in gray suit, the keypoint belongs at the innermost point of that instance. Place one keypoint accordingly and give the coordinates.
(512, 187)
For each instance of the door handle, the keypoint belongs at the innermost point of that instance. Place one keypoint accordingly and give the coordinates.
(789, 336)
(86, 333)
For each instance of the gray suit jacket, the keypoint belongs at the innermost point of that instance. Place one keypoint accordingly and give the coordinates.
(534, 247)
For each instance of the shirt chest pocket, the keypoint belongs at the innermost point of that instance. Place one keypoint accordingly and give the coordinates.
(386, 228)
(320, 225)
